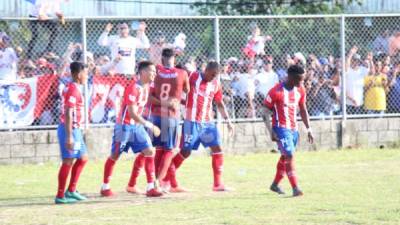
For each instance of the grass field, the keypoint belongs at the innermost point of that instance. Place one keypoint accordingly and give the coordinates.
(341, 187)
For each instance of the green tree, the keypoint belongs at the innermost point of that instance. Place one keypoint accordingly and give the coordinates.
(271, 7)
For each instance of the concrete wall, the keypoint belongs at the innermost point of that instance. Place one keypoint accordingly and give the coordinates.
(42, 146)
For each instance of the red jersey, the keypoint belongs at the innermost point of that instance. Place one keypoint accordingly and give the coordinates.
(168, 84)
(72, 98)
(135, 95)
(200, 97)
(284, 104)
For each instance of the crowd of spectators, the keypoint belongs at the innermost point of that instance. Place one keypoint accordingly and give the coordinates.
(372, 81)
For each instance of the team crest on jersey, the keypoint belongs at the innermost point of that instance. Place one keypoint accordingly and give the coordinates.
(132, 98)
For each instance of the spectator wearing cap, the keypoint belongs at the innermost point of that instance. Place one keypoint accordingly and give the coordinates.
(264, 81)
(123, 47)
(355, 72)
(8, 59)
(44, 12)
(376, 87)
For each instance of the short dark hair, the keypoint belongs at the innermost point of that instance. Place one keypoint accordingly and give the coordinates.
(212, 65)
(76, 67)
(295, 71)
(167, 52)
(144, 65)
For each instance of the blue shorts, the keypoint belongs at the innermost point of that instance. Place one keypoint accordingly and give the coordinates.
(79, 149)
(127, 137)
(169, 132)
(195, 134)
(287, 140)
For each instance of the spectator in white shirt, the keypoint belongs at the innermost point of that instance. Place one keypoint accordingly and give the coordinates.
(264, 81)
(355, 72)
(44, 12)
(123, 46)
(8, 59)
(244, 93)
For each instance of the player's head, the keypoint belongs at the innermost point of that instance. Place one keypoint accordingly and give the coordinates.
(78, 72)
(123, 30)
(211, 71)
(168, 57)
(147, 71)
(295, 75)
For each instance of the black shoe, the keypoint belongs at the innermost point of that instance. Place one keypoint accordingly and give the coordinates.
(277, 189)
(297, 192)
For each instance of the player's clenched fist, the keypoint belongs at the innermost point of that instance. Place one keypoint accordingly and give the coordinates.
(69, 143)
(154, 129)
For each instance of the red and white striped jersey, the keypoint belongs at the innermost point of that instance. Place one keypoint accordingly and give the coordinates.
(135, 95)
(200, 97)
(284, 104)
(72, 98)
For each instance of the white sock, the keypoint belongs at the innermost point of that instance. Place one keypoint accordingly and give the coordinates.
(150, 186)
(105, 186)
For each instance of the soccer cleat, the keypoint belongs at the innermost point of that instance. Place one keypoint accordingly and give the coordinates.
(221, 188)
(297, 192)
(177, 190)
(107, 193)
(133, 190)
(75, 195)
(64, 200)
(154, 193)
(277, 189)
(165, 186)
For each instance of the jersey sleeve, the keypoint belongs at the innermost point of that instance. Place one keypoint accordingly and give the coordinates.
(302, 100)
(71, 97)
(218, 95)
(270, 99)
(132, 95)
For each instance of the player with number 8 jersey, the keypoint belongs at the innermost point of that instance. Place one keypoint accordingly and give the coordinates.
(165, 97)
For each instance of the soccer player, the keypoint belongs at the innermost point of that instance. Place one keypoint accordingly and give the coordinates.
(129, 132)
(169, 85)
(198, 127)
(70, 136)
(283, 102)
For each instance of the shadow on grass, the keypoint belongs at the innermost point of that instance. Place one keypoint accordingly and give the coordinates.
(139, 199)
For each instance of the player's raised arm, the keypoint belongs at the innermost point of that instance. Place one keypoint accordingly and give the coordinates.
(104, 39)
(142, 41)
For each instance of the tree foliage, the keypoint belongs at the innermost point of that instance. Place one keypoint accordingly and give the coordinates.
(270, 7)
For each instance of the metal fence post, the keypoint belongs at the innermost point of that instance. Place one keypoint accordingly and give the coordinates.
(86, 91)
(217, 53)
(343, 56)
(216, 39)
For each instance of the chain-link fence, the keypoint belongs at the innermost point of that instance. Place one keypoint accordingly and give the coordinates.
(255, 53)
